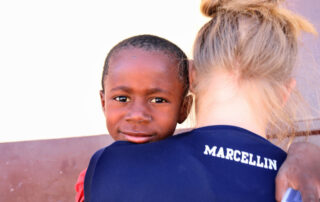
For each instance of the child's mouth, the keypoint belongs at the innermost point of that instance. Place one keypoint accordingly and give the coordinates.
(137, 137)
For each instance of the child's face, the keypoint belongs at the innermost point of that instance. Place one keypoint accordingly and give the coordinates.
(143, 97)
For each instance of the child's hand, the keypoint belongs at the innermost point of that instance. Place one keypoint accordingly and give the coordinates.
(300, 171)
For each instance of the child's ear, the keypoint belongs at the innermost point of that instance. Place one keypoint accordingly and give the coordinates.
(103, 102)
(192, 76)
(185, 108)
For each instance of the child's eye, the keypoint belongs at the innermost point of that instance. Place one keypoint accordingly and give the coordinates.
(122, 99)
(158, 100)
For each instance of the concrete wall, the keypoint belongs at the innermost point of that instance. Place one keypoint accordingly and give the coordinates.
(46, 170)
(308, 72)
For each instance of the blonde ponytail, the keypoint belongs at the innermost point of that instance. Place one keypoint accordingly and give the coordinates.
(257, 39)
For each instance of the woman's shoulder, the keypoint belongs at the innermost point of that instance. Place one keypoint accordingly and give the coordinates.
(231, 138)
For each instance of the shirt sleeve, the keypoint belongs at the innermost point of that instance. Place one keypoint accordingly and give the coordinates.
(89, 173)
(80, 187)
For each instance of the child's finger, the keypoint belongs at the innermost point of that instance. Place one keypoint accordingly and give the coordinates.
(281, 184)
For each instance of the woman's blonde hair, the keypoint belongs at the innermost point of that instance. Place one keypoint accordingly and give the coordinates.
(257, 40)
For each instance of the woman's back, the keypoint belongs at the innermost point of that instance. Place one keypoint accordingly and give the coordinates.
(214, 163)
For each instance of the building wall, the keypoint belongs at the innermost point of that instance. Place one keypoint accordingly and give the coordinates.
(45, 170)
(308, 71)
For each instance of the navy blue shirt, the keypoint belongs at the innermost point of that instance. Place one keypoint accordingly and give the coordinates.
(213, 163)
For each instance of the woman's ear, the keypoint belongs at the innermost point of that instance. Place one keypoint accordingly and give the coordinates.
(192, 76)
(103, 102)
(185, 108)
(289, 88)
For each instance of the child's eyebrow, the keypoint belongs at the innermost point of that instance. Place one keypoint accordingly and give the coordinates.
(157, 90)
(147, 92)
(122, 88)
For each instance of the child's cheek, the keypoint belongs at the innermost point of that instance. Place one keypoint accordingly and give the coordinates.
(114, 115)
(166, 121)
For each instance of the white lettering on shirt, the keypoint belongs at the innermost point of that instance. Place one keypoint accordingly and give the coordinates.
(240, 157)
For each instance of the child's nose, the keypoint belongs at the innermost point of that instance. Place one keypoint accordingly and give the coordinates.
(138, 113)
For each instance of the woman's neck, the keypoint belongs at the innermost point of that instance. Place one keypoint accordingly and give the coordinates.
(223, 102)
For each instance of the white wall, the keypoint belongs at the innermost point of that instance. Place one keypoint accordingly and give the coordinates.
(52, 53)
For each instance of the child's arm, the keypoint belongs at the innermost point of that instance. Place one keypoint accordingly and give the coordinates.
(80, 187)
(300, 171)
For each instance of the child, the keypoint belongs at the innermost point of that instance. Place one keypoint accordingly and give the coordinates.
(144, 91)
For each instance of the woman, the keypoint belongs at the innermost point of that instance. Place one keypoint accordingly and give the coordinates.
(242, 80)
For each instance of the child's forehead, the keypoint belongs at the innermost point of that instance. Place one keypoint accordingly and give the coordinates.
(140, 69)
(132, 65)
(134, 52)
(143, 60)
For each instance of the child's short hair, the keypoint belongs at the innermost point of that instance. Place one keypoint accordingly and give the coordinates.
(152, 43)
